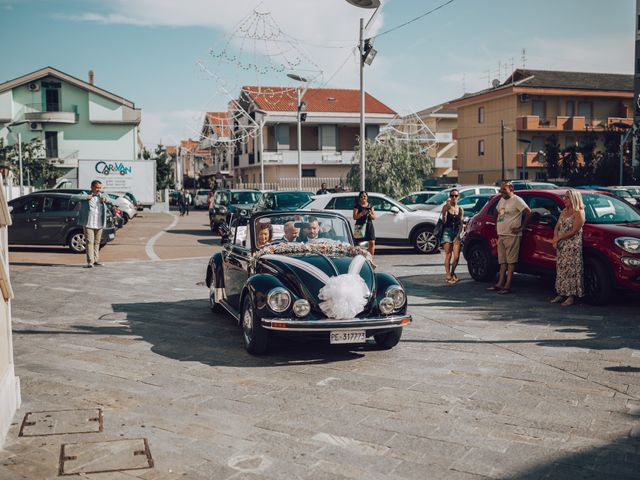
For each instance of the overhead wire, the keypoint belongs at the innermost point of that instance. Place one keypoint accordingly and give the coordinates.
(413, 19)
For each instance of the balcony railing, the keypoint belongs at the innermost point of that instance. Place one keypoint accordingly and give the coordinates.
(62, 158)
(533, 160)
(47, 112)
(564, 123)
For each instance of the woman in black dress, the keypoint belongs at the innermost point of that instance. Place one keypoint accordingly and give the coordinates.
(364, 214)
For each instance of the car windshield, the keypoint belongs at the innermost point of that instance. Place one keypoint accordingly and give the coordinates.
(603, 209)
(622, 193)
(244, 197)
(440, 198)
(317, 228)
(291, 199)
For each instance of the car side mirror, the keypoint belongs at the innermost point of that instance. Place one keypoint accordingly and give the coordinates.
(395, 210)
(364, 245)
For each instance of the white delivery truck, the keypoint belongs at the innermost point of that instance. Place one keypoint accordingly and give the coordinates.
(137, 177)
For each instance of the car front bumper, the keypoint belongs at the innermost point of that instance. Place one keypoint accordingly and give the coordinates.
(327, 325)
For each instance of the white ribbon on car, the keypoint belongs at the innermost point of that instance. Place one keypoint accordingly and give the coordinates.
(343, 296)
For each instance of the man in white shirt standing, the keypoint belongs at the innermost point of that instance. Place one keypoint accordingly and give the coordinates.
(509, 226)
(93, 217)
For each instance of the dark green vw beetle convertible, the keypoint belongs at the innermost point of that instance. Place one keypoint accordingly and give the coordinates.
(300, 272)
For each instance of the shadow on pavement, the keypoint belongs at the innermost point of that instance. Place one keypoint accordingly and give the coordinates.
(619, 460)
(188, 331)
(608, 327)
(198, 231)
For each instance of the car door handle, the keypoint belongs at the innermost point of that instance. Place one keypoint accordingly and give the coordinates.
(491, 223)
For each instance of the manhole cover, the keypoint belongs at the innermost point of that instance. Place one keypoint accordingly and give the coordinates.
(110, 456)
(59, 422)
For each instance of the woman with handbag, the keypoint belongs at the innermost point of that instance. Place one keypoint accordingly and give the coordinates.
(364, 214)
(452, 220)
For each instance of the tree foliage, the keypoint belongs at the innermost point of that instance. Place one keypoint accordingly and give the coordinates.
(393, 167)
(163, 166)
(552, 156)
(37, 170)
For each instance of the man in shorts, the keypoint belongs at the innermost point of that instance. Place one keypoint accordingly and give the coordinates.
(509, 226)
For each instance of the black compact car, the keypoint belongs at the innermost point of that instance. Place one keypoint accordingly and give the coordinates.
(228, 202)
(282, 201)
(48, 218)
(300, 273)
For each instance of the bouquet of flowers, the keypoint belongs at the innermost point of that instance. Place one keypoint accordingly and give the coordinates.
(337, 249)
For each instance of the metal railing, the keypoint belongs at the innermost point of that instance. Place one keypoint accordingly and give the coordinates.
(288, 184)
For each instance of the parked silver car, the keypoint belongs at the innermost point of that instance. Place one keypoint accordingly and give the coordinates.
(436, 202)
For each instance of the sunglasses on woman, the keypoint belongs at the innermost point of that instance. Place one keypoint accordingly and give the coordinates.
(453, 195)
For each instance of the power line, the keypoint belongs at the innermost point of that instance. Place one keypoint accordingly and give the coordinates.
(413, 19)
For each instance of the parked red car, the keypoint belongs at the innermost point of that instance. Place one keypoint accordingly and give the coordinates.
(611, 241)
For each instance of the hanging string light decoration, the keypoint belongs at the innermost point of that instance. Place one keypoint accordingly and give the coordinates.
(408, 128)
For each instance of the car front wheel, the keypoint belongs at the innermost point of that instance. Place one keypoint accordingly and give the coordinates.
(76, 242)
(481, 264)
(424, 241)
(388, 340)
(256, 338)
(598, 286)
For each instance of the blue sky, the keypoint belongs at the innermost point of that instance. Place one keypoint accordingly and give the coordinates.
(147, 50)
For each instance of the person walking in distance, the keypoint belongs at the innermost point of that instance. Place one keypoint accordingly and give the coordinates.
(364, 215)
(93, 217)
(509, 226)
(452, 216)
(323, 189)
(182, 202)
(567, 238)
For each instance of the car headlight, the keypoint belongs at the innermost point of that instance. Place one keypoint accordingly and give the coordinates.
(628, 244)
(301, 308)
(397, 295)
(386, 305)
(278, 299)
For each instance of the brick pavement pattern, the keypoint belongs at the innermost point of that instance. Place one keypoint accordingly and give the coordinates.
(479, 387)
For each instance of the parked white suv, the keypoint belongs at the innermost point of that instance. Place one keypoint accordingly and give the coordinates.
(395, 224)
(200, 200)
(436, 202)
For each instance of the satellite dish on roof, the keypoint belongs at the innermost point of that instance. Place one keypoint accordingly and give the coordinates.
(495, 82)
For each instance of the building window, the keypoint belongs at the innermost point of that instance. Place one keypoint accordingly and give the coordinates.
(51, 144)
(537, 144)
(570, 142)
(481, 115)
(328, 137)
(371, 132)
(309, 172)
(282, 136)
(480, 148)
(585, 109)
(481, 179)
(571, 109)
(538, 109)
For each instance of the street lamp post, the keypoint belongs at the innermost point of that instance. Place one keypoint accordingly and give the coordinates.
(364, 54)
(300, 106)
(524, 156)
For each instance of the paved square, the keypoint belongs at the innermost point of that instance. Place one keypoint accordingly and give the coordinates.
(480, 386)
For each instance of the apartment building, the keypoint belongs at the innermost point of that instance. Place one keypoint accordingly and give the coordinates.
(528, 108)
(76, 120)
(192, 160)
(442, 122)
(329, 134)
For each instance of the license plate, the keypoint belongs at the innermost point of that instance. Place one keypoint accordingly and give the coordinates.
(347, 336)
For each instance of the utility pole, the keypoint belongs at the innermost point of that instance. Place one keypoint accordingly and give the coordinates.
(502, 144)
